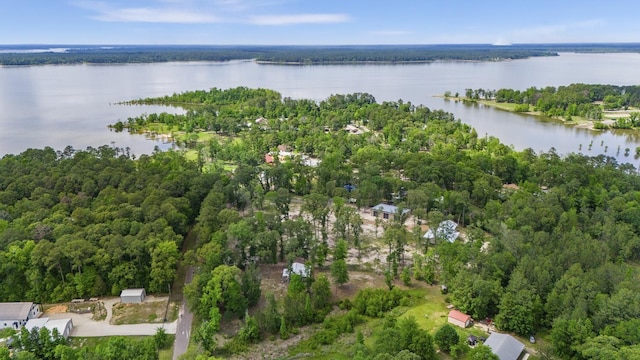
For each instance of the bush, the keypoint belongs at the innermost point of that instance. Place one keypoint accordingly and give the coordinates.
(324, 337)
(343, 323)
(250, 333)
(446, 337)
(375, 302)
(346, 304)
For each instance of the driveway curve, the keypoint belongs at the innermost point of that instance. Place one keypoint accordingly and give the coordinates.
(84, 326)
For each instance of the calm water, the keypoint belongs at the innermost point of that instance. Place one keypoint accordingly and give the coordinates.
(72, 105)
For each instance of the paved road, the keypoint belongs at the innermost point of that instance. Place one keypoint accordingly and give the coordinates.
(185, 318)
(84, 326)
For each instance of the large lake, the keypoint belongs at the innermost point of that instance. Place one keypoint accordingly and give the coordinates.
(72, 105)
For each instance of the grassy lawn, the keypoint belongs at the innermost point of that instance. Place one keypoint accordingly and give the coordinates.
(502, 105)
(432, 314)
(147, 312)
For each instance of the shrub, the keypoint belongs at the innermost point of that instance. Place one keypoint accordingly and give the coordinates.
(375, 302)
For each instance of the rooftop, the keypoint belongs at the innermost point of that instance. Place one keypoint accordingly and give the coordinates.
(460, 316)
(15, 310)
(446, 230)
(505, 346)
(392, 209)
(59, 324)
(132, 292)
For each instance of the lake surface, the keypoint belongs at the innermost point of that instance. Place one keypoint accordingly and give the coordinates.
(73, 104)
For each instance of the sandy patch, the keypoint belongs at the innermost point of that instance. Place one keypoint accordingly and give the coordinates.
(56, 309)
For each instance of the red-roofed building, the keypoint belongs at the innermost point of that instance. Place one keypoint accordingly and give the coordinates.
(268, 158)
(458, 318)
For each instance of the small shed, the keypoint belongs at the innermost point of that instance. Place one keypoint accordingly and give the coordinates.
(459, 318)
(296, 268)
(132, 296)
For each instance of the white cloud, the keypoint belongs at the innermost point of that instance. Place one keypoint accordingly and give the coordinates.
(199, 11)
(150, 15)
(298, 19)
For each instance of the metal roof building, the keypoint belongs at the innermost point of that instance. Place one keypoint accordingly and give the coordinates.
(132, 296)
(505, 346)
(16, 314)
(64, 326)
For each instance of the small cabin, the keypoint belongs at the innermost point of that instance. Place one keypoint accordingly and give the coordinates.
(459, 319)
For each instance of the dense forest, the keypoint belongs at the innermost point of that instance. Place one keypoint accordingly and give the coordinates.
(76, 224)
(270, 54)
(555, 252)
(118, 54)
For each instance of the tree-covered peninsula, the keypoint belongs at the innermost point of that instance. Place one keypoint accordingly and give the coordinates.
(546, 245)
(601, 106)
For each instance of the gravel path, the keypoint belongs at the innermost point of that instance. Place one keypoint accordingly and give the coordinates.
(84, 326)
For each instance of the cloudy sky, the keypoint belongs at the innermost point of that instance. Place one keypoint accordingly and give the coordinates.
(272, 22)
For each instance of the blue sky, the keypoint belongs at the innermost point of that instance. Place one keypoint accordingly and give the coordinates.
(288, 22)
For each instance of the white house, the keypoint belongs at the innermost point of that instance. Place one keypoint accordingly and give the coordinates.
(387, 211)
(64, 326)
(298, 269)
(132, 296)
(446, 231)
(16, 314)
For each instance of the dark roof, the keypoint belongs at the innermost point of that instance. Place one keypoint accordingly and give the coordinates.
(505, 346)
(15, 310)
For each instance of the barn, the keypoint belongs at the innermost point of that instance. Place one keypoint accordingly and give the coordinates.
(16, 314)
(64, 326)
(132, 296)
(459, 318)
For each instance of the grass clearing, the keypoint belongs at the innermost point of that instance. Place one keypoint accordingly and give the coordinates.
(431, 314)
(146, 312)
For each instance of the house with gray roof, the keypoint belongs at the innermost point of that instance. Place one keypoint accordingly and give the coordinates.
(387, 211)
(505, 346)
(63, 326)
(16, 314)
(446, 231)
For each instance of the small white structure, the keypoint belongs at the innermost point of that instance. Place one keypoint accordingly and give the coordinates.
(132, 296)
(446, 231)
(16, 314)
(387, 211)
(63, 326)
(298, 269)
